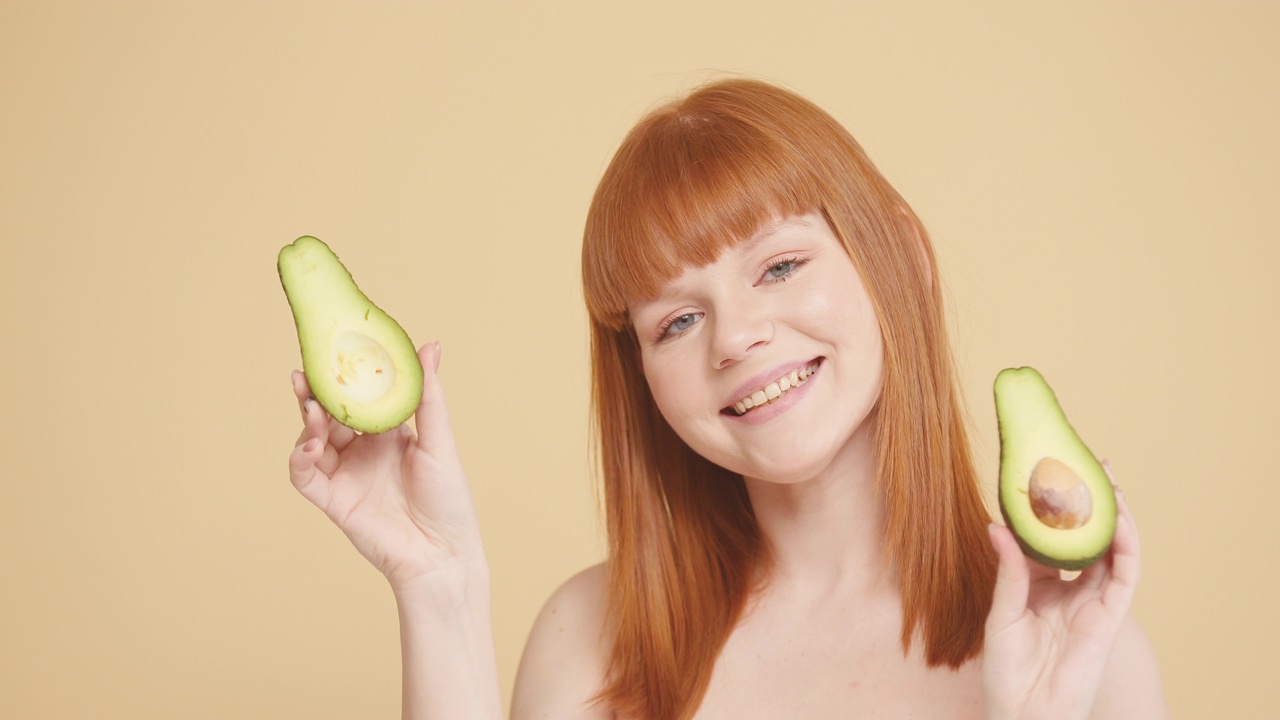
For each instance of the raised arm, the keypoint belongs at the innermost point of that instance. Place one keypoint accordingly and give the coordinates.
(402, 499)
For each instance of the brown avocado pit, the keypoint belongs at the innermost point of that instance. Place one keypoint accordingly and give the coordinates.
(1059, 498)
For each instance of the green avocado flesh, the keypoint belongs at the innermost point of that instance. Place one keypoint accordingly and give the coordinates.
(1054, 494)
(361, 365)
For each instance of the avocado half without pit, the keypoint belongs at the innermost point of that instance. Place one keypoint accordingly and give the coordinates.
(361, 365)
(1054, 494)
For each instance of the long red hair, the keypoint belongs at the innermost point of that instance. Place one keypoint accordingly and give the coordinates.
(685, 553)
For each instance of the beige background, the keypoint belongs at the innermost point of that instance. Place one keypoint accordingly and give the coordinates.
(1099, 178)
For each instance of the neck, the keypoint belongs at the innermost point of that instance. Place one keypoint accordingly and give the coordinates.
(826, 532)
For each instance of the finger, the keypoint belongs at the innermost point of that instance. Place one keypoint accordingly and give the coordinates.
(1013, 580)
(1093, 578)
(318, 425)
(1106, 467)
(1125, 557)
(432, 416)
(339, 434)
(1126, 530)
(1096, 575)
(305, 476)
(1040, 571)
(301, 389)
(315, 421)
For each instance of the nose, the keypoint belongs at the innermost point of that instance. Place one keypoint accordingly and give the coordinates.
(736, 331)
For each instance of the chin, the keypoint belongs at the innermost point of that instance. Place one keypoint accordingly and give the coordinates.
(813, 457)
(784, 471)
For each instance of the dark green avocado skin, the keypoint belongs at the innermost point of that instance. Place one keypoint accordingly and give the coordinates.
(1034, 554)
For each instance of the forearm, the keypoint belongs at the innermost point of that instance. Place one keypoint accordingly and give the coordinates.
(447, 653)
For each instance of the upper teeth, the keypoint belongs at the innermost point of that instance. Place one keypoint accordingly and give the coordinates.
(775, 389)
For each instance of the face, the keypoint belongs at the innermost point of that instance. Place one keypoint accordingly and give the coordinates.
(768, 361)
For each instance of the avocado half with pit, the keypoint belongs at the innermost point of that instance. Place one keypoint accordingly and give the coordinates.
(1054, 494)
(361, 365)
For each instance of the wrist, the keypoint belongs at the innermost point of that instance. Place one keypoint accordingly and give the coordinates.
(459, 585)
(446, 637)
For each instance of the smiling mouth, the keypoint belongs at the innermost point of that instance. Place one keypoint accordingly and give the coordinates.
(774, 390)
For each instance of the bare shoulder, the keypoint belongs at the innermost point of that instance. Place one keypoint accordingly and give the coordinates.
(1131, 686)
(564, 659)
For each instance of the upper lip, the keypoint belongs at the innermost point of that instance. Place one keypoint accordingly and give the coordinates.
(758, 382)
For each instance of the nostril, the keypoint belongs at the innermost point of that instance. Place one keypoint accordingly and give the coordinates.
(737, 335)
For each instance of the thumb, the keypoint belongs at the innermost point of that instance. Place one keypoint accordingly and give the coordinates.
(1013, 580)
(432, 416)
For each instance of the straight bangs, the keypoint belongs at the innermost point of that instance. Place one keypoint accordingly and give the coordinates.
(686, 184)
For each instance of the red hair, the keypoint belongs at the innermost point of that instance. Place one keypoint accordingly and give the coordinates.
(685, 553)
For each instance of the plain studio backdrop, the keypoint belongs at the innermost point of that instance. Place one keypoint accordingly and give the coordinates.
(1099, 179)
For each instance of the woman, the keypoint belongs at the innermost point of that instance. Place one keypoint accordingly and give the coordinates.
(794, 520)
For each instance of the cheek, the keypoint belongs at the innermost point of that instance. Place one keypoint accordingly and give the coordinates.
(857, 313)
(846, 318)
(843, 313)
(668, 387)
(676, 390)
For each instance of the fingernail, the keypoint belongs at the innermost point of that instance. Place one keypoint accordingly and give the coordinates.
(311, 445)
(436, 355)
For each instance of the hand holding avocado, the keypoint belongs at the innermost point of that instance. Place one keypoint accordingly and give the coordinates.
(401, 497)
(1047, 639)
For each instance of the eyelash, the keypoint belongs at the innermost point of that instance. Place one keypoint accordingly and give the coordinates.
(795, 261)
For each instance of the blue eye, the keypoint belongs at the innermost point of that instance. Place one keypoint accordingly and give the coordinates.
(678, 325)
(782, 269)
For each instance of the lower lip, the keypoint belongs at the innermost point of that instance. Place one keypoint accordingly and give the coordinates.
(765, 413)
